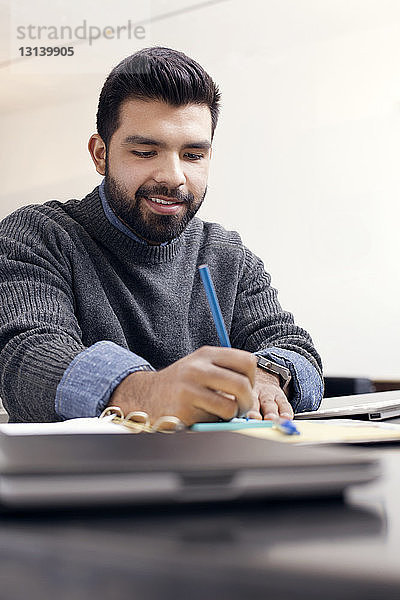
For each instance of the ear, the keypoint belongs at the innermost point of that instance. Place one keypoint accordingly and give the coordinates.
(97, 149)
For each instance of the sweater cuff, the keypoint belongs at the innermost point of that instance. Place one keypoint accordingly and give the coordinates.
(92, 376)
(307, 383)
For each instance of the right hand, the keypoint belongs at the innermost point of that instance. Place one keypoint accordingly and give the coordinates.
(187, 388)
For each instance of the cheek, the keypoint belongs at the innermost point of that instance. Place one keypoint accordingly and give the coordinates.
(197, 180)
(130, 177)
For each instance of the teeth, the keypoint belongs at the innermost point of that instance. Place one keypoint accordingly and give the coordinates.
(159, 201)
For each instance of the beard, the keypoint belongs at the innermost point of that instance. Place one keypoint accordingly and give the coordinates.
(153, 228)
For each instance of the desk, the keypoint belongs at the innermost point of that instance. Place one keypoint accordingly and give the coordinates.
(326, 550)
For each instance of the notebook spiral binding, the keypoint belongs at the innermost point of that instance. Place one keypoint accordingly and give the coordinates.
(138, 421)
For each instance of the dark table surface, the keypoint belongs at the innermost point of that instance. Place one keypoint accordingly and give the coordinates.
(329, 549)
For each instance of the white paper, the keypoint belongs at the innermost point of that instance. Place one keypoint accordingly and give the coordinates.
(84, 425)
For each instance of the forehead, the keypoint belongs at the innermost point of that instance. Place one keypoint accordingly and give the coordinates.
(156, 119)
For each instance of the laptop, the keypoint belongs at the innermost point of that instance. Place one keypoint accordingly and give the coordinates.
(374, 406)
(59, 470)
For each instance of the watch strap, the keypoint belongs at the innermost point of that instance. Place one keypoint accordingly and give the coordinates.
(271, 367)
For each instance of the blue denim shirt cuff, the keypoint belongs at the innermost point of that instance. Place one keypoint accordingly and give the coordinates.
(92, 376)
(307, 386)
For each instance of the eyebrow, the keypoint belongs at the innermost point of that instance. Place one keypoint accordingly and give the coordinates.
(145, 141)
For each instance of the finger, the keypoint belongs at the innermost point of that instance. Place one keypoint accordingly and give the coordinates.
(227, 381)
(254, 414)
(275, 407)
(196, 415)
(269, 407)
(285, 409)
(240, 361)
(215, 404)
(269, 410)
(231, 383)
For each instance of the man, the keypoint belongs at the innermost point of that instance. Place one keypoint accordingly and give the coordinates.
(101, 299)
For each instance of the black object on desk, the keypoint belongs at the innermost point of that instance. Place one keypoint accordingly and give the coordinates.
(59, 470)
(347, 386)
(285, 550)
(280, 550)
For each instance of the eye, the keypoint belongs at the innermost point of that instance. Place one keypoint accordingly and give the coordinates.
(148, 154)
(192, 156)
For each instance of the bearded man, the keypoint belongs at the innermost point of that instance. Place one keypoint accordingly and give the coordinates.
(101, 299)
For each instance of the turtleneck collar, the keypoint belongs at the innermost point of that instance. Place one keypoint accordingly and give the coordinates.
(112, 217)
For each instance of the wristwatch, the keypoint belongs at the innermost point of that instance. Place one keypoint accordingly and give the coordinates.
(271, 367)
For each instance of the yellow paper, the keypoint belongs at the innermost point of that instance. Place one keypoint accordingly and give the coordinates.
(328, 432)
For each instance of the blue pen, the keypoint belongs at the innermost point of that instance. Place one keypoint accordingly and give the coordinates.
(286, 426)
(214, 305)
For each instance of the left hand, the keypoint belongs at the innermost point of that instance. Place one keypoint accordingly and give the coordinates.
(270, 401)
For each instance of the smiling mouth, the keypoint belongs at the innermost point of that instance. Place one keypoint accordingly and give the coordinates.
(164, 206)
(164, 201)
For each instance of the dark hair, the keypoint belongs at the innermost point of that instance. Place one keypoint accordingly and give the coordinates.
(155, 74)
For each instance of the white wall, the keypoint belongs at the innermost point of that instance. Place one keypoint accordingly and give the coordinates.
(306, 153)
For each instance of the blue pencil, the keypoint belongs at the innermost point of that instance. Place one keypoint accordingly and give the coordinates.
(284, 425)
(214, 305)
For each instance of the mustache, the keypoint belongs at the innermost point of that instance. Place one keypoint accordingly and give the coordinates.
(159, 190)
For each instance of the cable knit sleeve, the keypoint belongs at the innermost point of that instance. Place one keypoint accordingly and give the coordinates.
(46, 372)
(260, 325)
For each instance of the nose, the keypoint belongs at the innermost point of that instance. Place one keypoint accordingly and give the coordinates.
(169, 171)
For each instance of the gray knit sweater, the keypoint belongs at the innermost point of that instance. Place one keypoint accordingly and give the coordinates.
(69, 279)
